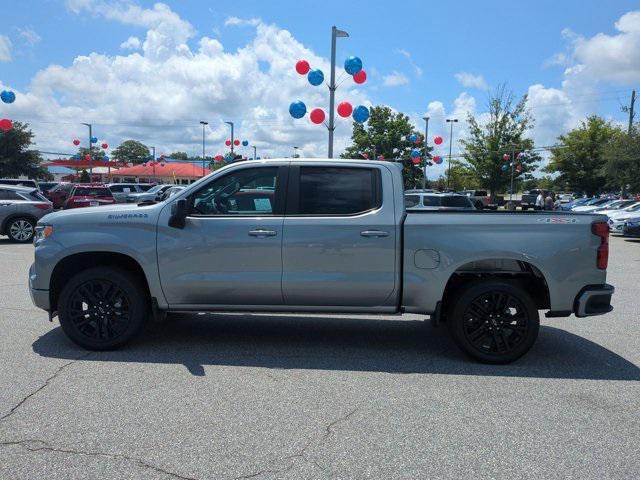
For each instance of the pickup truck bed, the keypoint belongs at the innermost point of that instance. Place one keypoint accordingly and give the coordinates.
(318, 236)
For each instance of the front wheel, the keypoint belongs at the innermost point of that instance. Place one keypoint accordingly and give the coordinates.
(21, 230)
(102, 308)
(494, 321)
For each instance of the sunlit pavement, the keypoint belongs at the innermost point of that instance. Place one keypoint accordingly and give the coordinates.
(263, 396)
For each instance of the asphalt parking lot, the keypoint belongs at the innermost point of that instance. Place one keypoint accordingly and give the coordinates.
(263, 396)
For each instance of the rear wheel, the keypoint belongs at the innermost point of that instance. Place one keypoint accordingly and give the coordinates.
(494, 321)
(479, 206)
(102, 308)
(21, 230)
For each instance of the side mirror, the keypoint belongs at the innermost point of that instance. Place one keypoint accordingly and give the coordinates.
(179, 212)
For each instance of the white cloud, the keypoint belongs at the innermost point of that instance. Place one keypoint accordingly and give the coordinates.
(158, 95)
(5, 49)
(29, 36)
(469, 80)
(131, 43)
(395, 79)
(241, 22)
(409, 57)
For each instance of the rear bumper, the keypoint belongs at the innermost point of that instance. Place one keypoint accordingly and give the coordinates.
(593, 300)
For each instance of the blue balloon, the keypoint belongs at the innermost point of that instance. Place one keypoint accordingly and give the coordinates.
(413, 137)
(94, 139)
(105, 158)
(297, 109)
(360, 114)
(505, 167)
(415, 153)
(315, 77)
(245, 143)
(352, 65)
(8, 96)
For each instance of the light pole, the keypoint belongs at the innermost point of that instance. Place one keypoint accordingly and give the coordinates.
(153, 162)
(90, 156)
(255, 152)
(295, 152)
(335, 33)
(204, 124)
(451, 121)
(231, 125)
(426, 152)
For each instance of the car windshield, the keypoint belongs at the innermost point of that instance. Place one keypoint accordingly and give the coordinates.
(92, 192)
(633, 208)
(155, 189)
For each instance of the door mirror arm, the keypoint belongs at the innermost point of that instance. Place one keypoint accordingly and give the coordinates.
(179, 212)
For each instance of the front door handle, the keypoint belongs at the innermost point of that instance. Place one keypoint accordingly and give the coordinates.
(259, 232)
(374, 233)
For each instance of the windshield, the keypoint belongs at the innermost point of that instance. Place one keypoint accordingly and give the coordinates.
(155, 189)
(92, 192)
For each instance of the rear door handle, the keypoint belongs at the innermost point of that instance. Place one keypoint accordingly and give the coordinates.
(262, 233)
(374, 233)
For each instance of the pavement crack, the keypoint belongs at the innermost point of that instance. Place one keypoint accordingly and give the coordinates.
(46, 383)
(40, 445)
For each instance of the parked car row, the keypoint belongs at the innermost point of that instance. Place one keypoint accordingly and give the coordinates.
(20, 210)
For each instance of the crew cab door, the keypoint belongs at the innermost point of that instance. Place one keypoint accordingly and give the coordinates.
(339, 245)
(230, 249)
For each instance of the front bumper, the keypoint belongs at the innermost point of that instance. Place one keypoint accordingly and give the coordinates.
(593, 300)
(631, 231)
(40, 298)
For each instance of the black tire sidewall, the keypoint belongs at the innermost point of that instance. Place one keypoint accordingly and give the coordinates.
(467, 294)
(17, 219)
(138, 299)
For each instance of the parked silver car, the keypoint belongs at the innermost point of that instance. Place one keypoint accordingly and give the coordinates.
(154, 194)
(120, 191)
(20, 210)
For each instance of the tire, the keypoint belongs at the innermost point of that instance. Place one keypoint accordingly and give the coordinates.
(479, 206)
(524, 208)
(21, 230)
(493, 321)
(108, 325)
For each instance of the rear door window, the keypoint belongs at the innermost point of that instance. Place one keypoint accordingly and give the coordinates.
(431, 201)
(9, 195)
(411, 200)
(337, 191)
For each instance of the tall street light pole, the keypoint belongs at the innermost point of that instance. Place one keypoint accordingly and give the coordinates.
(451, 121)
(90, 156)
(426, 152)
(231, 125)
(153, 161)
(295, 152)
(204, 124)
(335, 33)
(255, 152)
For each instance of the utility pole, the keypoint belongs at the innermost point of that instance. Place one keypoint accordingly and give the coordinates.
(90, 156)
(335, 33)
(631, 112)
(153, 162)
(255, 154)
(426, 152)
(451, 121)
(231, 125)
(204, 124)
(295, 152)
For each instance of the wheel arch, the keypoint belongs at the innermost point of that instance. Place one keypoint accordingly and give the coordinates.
(520, 272)
(77, 262)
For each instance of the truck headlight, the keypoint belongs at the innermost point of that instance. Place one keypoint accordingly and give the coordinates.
(42, 232)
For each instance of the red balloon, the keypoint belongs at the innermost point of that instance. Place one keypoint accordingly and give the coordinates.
(236, 142)
(437, 139)
(365, 155)
(416, 160)
(302, 67)
(104, 146)
(345, 109)
(380, 157)
(317, 115)
(219, 158)
(76, 142)
(437, 159)
(360, 77)
(87, 157)
(6, 124)
(227, 143)
(506, 157)
(518, 168)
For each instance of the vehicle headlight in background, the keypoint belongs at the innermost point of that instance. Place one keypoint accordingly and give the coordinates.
(42, 232)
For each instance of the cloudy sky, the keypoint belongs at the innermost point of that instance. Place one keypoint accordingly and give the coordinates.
(152, 71)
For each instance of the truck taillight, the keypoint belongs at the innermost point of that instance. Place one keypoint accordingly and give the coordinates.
(601, 229)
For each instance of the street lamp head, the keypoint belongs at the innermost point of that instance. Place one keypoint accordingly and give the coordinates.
(426, 118)
(452, 120)
(203, 122)
(340, 33)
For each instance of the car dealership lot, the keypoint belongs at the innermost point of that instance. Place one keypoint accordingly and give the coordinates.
(233, 396)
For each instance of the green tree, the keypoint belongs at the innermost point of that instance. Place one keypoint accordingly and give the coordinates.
(131, 151)
(84, 176)
(502, 133)
(179, 156)
(96, 153)
(580, 155)
(461, 177)
(15, 157)
(386, 133)
(622, 161)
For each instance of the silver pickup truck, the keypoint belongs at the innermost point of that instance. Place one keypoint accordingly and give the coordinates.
(317, 236)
